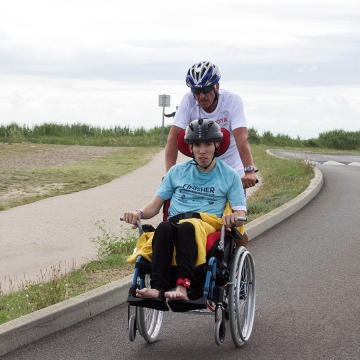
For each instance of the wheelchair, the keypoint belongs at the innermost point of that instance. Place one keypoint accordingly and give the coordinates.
(228, 292)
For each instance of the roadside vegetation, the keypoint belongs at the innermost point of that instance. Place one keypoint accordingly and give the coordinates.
(83, 134)
(282, 180)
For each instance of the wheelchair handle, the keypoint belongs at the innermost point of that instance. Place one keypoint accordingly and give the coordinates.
(138, 224)
(257, 180)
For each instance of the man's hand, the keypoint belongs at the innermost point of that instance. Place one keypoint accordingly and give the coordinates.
(249, 180)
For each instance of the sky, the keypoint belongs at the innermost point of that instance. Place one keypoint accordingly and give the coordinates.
(294, 63)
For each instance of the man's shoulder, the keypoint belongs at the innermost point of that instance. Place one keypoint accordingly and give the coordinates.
(181, 166)
(189, 97)
(225, 167)
(228, 94)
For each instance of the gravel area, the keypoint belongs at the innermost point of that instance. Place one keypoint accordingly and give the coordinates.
(28, 156)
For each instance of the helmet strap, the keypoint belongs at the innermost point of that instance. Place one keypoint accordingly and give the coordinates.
(216, 98)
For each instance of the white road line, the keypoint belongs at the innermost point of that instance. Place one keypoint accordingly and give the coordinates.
(332, 163)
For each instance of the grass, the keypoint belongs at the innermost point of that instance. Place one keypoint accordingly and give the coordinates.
(282, 180)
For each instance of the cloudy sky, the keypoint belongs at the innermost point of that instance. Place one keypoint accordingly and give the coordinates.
(295, 63)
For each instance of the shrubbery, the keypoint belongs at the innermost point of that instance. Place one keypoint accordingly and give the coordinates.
(82, 134)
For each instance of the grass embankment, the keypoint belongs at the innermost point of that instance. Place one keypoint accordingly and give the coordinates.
(282, 180)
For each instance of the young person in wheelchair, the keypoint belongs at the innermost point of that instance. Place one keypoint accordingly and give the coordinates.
(199, 191)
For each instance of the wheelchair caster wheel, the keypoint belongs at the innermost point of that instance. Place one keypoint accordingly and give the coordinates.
(132, 328)
(219, 332)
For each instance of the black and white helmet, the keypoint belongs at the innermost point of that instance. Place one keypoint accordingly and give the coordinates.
(202, 130)
(201, 74)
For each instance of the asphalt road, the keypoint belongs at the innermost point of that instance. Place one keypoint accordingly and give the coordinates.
(341, 159)
(308, 292)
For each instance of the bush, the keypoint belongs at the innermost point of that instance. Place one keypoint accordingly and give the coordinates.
(340, 140)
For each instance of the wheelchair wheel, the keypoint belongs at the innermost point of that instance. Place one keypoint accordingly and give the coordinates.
(242, 294)
(149, 321)
(219, 332)
(132, 328)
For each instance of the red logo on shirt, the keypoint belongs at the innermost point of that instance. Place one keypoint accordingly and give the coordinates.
(222, 121)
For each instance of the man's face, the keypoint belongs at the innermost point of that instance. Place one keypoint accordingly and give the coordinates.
(203, 152)
(206, 101)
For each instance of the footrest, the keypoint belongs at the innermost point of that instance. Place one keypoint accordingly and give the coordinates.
(187, 305)
(156, 303)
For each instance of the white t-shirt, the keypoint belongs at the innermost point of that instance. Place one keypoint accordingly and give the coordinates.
(229, 114)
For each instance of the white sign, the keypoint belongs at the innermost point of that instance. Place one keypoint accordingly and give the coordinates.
(164, 100)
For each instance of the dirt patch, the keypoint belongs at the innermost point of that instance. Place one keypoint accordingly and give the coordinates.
(30, 156)
(109, 275)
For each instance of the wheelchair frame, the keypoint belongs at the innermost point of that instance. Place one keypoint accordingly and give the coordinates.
(229, 293)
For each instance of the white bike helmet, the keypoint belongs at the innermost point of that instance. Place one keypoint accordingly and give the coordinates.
(201, 74)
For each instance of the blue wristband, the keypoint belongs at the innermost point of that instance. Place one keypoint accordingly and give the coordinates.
(141, 214)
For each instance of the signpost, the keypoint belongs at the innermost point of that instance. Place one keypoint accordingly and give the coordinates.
(164, 101)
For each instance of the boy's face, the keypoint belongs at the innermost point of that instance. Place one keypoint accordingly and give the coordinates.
(203, 152)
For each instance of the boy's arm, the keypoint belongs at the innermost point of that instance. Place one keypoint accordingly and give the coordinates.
(231, 219)
(148, 211)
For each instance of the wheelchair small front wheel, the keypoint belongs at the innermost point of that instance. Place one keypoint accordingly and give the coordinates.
(150, 322)
(132, 328)
(219, 332)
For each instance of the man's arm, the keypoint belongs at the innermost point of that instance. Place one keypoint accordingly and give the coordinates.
(171, 150)
(148, 211)
(243, 146)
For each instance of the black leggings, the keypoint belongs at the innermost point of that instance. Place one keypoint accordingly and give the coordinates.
(167, 236)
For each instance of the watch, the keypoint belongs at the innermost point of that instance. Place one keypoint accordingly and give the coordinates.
(248, 168)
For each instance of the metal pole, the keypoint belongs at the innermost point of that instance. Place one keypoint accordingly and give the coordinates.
(162, 129)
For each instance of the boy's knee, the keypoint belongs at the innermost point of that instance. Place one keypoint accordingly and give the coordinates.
(186, 229)
(164, 226)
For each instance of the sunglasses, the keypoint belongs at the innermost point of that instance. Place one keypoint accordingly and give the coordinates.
(204, 90)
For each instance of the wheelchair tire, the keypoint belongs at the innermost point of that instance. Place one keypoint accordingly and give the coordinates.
(132, 328)
(242, 294)
(219, 332)
(149, 321)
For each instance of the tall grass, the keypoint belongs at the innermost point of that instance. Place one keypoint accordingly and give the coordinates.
(83, 134)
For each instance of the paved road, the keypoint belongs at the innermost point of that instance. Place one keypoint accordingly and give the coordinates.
(307, 304)
(326, 159)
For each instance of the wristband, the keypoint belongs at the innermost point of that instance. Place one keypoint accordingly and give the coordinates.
(141, 213)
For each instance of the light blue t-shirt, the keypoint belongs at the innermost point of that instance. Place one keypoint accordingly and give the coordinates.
(192, 190)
